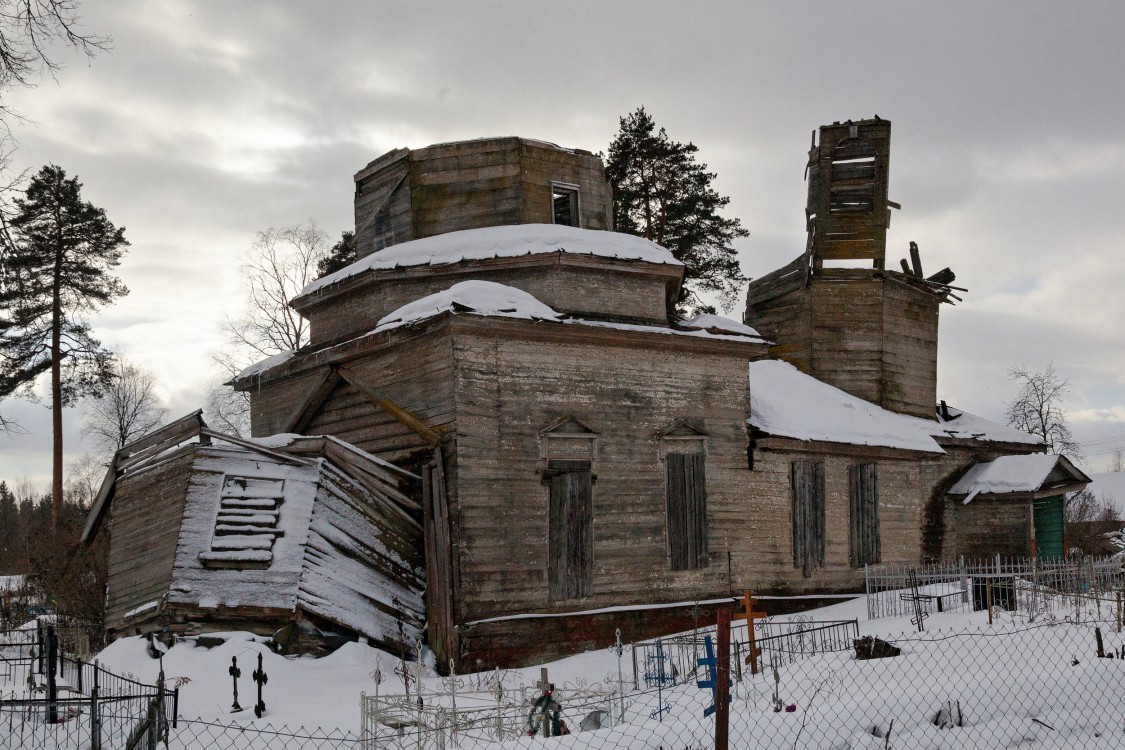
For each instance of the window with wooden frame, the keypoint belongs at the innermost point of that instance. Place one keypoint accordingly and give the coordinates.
(863, 483)
(247, 523)
(564, 204)
(807, 489)
(686, 493)
(568, 447)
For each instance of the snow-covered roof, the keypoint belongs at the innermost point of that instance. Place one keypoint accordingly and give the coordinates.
(488, 298)
(480, 297)
(963, 425)
(502, 242)
(786, 402)
(1014, 474)
(269, 362)
(719, 324)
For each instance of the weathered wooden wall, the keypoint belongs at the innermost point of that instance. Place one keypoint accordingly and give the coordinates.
(511, 385)
(469, 184)
(910, 344)
(143, 532)
(986, 527)
(761, 543)
(382, 202)
(861, 331)
(599, 288)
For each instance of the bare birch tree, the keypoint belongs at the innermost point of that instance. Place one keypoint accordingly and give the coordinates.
(127, 409)
(1037, 409)
(277, 266)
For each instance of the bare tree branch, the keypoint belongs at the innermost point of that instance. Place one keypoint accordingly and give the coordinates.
(1037, 409)
(128, 409)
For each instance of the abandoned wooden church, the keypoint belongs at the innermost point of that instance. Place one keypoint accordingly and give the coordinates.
(522, 430)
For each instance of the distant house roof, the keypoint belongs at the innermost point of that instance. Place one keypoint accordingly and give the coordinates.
(502, 242)
(1033, 474)
(786, 402)
(719, 324)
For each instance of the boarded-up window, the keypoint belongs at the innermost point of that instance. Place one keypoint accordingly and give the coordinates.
(687, 510)
(808, 515)
(570, 530)
(246, 526)
(864, 501)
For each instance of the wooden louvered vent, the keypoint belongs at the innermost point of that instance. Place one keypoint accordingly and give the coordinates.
(247, 524)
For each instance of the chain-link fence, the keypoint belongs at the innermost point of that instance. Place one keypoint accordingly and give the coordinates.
(50, 700)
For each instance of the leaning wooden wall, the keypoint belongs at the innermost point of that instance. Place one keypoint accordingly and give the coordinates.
(143, 531)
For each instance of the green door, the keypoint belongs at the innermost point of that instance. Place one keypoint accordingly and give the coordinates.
(1049, 528)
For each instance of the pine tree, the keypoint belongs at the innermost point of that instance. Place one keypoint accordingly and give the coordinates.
(661, 193)
(340, 256)
(56, 271)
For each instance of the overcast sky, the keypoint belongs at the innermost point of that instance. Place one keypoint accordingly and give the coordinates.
(211, 121)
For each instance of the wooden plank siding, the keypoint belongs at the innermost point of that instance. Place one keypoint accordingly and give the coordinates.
(509, 388)
(601, 288)
(144, 528)
(409, 194)
(859, 330)
(807, 488)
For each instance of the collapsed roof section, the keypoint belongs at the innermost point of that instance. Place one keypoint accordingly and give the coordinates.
(210, 530)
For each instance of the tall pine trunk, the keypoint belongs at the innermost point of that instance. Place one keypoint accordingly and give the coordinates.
(56, 384)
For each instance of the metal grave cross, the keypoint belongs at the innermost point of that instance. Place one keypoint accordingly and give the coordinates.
(261, 678)
(710, 663)
(234, 673)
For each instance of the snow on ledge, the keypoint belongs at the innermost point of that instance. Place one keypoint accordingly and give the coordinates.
(266, 364)
(966, 426)
(719, 324)
(480, 297)
(502, 242)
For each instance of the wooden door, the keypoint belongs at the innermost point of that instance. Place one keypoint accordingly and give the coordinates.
(570, 531)
(1049, 526)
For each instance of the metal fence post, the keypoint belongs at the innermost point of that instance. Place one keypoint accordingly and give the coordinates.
(95, 721)
(867, 586)
(52, 669)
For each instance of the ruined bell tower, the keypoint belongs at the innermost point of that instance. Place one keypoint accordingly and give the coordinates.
(867, 330)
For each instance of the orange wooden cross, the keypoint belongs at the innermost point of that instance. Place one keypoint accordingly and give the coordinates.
(749, 614)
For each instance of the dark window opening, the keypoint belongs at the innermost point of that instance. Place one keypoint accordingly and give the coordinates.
(564, 205)
(864, 494)
(570, 530)
(807, 483)
(687, 510)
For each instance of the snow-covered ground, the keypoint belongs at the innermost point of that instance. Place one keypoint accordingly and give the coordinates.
(961, 684)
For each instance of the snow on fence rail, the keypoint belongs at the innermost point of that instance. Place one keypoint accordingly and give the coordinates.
(963, 586)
